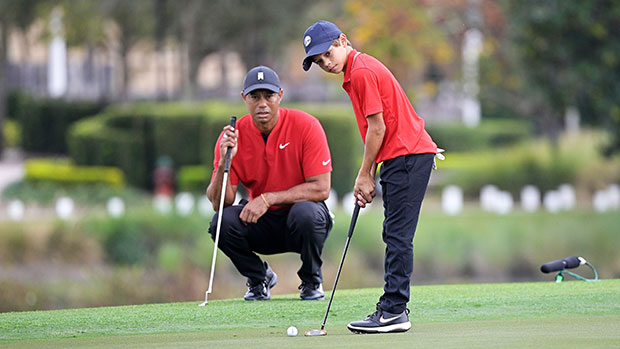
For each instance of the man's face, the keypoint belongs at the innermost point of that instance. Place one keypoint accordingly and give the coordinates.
(263, 107)
(334, 59)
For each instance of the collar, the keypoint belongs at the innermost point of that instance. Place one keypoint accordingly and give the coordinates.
(350, 59)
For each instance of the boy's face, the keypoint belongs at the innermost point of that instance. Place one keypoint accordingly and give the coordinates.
(334, 60)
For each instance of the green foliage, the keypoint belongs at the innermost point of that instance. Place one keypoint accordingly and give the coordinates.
(132, 137)
(95, 142)
(46, 193)
(139, 238)
(539, 162)
(489, 134)
(194, 179)
(44, 122)
(65, 172)
(12, 134)
(571, 53)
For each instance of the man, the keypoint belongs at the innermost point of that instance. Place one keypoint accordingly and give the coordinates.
(282, 158)
(393, 134)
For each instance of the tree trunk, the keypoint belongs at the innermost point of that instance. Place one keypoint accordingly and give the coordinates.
(3, 80)
(125, 66)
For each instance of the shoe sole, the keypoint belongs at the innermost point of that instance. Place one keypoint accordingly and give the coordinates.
(402, 327)
(313, 299)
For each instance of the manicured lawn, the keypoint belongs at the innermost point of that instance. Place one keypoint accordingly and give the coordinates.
(544, 314)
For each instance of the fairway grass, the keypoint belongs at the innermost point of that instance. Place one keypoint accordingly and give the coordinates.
(544, 314)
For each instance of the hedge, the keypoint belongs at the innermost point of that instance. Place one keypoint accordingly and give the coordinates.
(133, 137)
(65, 172)
(490, 133)
(44, 122)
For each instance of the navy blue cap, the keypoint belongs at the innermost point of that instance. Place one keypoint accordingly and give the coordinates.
(317, 39)
(261, 77)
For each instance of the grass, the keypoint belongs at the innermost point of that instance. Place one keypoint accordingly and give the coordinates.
(544, 314)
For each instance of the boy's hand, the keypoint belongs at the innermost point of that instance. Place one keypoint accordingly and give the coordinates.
(364, 189)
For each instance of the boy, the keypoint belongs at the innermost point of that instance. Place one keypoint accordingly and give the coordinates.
(393, 134)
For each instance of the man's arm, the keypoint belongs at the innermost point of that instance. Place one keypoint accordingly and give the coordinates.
(315, 188)
(364, 189)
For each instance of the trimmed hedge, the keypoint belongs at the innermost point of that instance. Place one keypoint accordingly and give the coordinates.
(194, 178)
(490, 133)
(45, 122)
(64, 172)
(133, 137)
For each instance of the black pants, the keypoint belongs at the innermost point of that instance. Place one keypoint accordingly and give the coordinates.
(403, 181)
(302, 229)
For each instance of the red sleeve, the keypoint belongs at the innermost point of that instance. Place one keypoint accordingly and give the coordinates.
(365, 86)
(316, 158)
(234, 178)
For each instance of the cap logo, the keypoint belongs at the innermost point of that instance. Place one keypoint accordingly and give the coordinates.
(307, 40)
(261, 75)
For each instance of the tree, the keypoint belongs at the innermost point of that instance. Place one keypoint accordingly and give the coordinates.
(134, 21)
(13, 14)
(570, 53)
(400, 32)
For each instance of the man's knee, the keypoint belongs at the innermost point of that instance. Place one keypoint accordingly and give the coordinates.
(309, 218)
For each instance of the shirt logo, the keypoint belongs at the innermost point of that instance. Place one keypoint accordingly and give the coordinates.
(307, 40)
(326, 162)
(261, 75)
(282, 146)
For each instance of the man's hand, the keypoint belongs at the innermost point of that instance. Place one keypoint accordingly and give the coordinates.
(364, 189)
(253, 210)
(229, 139)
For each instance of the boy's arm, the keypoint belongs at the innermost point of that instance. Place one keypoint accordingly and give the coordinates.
(364, 189)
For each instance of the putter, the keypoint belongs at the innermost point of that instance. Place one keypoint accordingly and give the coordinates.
(233, 121)
(322, 331)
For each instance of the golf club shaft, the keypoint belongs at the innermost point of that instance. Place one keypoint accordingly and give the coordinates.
(356, 212)
(217, 233)
(233, 121)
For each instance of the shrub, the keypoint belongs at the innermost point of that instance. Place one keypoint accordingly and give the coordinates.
(94, 142)
(133, 137)
(12, 134)
(64, 172)
(537, 162)
(194, 179)
(490, 133)
(44, 122)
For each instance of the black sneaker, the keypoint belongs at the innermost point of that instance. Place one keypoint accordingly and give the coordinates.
(311, 292)
(262, 290)
(382, 322)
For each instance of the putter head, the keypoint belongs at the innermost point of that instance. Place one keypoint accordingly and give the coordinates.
(312, 333)
(206, 300)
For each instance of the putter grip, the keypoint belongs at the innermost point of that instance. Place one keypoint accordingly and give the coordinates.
(233, 123)
(356, 212)
(566, 263)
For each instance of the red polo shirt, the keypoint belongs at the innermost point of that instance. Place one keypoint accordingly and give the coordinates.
(296, 149)
(373, 89)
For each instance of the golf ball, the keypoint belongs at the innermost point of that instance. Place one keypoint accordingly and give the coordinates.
(291, 331)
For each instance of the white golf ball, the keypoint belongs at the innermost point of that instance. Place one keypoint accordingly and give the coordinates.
(291, 331)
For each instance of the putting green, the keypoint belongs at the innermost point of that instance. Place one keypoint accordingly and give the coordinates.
(571, 314)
